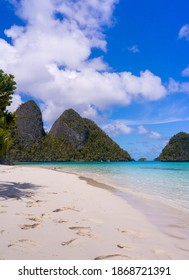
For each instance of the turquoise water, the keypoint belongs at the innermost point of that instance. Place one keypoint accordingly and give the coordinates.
(165, 182)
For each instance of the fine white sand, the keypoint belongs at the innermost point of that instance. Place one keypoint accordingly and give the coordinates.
(48, 214)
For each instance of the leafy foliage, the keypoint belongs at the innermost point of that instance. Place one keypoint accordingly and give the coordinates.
(177, 149)
(5, 141)
(7, 87)
(100, 147)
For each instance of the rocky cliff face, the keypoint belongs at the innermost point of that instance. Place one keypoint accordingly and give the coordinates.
(177, 149)
(71, 125)
(90, 142)
(29, 125)
(71, 138)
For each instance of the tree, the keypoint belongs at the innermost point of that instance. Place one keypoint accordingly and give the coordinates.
(7, 87)
(5, 140)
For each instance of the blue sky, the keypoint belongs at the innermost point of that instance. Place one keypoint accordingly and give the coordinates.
(124, 64)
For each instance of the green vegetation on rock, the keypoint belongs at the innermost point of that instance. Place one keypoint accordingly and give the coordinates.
(71, 138)
(177, 149)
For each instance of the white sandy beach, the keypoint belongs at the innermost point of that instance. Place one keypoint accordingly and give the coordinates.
(47, 214)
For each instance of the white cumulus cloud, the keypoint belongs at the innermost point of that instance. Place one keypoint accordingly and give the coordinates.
(142, 129)
(16, 102)
(154, 135)
(178, 87)
(117, 128)
(185, 72)
(146, 85)
(184, 32)
(50, 57)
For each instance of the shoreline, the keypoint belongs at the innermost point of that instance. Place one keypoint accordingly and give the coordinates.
(57, 215)
(158, 213)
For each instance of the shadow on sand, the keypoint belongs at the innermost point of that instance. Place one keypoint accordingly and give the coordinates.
(17, 190)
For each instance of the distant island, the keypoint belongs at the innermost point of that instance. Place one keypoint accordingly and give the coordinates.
(177, 149)
(71, 138)
(142, 159)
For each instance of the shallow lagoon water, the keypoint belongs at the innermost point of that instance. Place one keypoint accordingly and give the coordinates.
(163, 181)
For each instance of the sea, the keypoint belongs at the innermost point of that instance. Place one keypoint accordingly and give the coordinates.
(160, 182)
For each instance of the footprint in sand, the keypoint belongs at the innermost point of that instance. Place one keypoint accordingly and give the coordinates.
(46, 215)
(3, 212)
(35, 203)
(64, 243)
(30, 204)
(131, 233)
(113, 257)
(10, 245)
(59, 221)
(35, 219)
(40, 201)
(2, 231)
(123, 246)
(51, 193)
(83, 231)
(23, 243)
(78, 228)
(65, 208)
(29, 194)
(90, 235)
(28, 242)
(30, 226)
